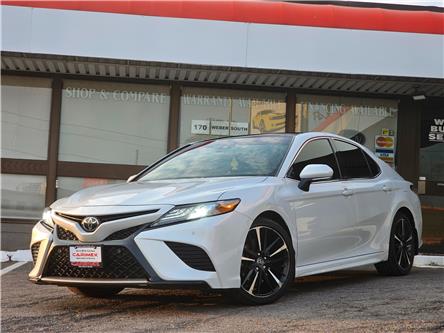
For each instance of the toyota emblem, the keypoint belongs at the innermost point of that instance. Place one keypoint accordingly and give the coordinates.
(90, 223)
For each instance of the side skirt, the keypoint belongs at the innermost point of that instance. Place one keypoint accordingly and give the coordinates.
(334, 265)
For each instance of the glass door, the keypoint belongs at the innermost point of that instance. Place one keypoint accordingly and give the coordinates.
(431, 174)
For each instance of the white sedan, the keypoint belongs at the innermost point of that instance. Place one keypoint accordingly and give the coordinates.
(243, 215)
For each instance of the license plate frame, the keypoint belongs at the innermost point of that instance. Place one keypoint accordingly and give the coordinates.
(86, 256)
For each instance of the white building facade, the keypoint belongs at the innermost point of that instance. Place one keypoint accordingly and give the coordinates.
(94, 91)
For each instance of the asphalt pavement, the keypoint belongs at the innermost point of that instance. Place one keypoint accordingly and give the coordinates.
(345, 301)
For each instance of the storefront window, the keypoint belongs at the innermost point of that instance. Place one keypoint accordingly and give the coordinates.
(210, 113)
(23, 196)
(431, 171)
(431, 162)
(69, 185)
(25, 105)
(104, 122)
(371, 122)
(431, 159)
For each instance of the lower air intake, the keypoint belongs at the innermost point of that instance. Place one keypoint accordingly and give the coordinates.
(35, 251)
(192, 255)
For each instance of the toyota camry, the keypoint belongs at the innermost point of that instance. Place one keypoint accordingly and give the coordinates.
(243, 215)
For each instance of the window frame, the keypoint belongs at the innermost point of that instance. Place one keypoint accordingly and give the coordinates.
(363, 155)
(328, 138)
(368, 156)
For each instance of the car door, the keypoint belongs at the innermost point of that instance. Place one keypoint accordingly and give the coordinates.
(371, 195)
(323, 215)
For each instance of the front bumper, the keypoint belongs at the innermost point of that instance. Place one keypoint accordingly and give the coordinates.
(219, 238)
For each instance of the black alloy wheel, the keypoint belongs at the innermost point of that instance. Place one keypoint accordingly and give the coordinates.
(402, 248)
(267, 263)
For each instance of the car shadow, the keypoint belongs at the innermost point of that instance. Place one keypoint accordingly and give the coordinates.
(315, 283)
(144, 299)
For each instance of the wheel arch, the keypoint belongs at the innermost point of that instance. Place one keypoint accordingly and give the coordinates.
(275, 216)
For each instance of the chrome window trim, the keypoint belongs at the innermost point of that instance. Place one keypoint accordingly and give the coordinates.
(330, 139)
(380, 170)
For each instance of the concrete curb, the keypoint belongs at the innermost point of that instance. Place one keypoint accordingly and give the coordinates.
(19, 255)
(428, 261)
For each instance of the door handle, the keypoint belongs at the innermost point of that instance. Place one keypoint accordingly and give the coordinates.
(347, 192)
(386, 188)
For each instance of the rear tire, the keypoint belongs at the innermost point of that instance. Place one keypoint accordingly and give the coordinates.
(95, 292)
(267, 264)
(402, 247)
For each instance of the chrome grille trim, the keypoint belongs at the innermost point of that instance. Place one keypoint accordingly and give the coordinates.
(106, 218)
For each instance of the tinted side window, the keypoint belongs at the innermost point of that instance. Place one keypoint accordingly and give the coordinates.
(351, 160)
(315, 152)
(374, 167)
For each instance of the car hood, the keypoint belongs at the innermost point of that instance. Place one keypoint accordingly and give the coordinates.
(165, 192)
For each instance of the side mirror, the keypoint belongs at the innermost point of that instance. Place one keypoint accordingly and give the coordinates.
(131, 178)
(314, 172)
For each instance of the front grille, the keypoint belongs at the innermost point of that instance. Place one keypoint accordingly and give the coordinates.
(192, 255)
(117, 263)
(122, 234)
(106, 218)
(35, 251)
(65, 234)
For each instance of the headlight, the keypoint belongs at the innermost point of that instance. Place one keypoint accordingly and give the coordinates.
(47, 220)
(196, 211)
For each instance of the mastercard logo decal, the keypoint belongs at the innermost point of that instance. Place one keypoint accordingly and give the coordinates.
(382, 141)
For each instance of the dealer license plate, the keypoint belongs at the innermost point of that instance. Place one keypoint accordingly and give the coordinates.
(85, 256)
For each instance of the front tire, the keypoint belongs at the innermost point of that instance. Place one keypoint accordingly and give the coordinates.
(402, 247)
(267, 263)
(95, 292)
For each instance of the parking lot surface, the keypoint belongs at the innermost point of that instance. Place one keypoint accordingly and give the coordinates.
(344, 301)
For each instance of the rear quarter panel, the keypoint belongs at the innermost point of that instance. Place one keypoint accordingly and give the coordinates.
(403, 197)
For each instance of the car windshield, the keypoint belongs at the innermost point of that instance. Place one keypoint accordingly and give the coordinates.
(230, 157)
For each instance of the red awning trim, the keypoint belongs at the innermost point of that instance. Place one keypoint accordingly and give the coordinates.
(265, 12)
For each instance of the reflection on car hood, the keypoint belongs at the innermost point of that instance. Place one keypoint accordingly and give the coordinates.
(165, 192)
